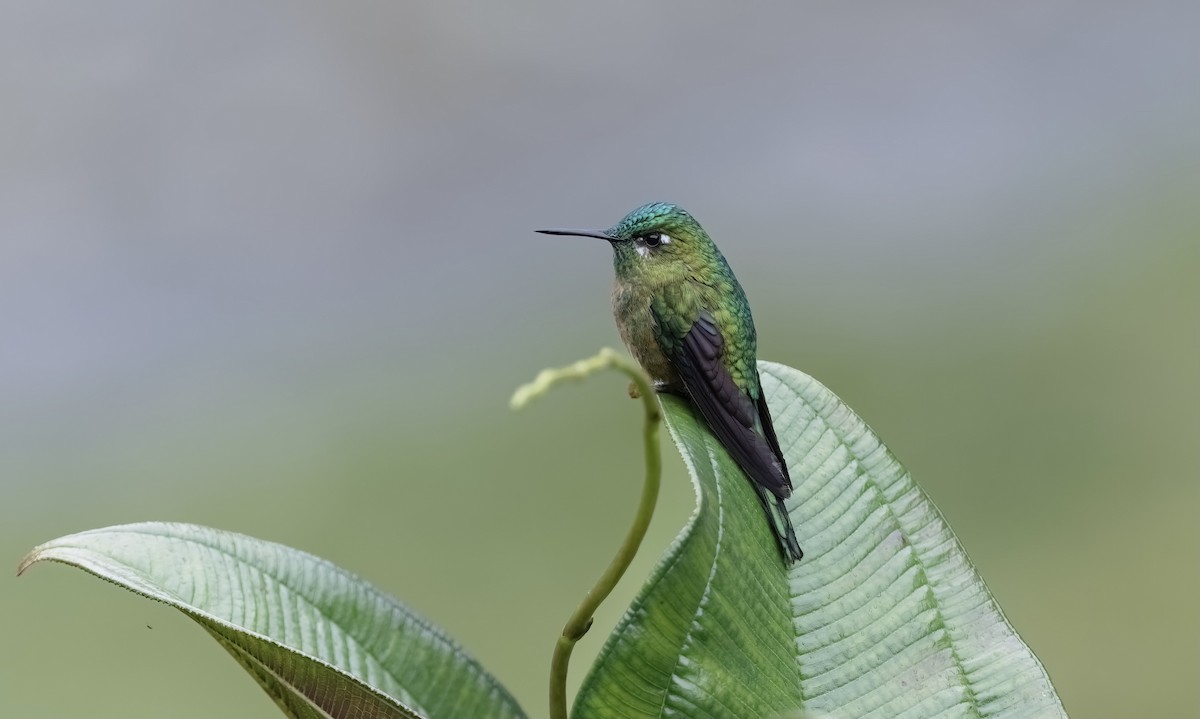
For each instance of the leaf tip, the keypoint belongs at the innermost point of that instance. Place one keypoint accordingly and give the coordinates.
(34, 556)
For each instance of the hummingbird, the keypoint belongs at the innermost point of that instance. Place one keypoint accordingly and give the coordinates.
(684, 317)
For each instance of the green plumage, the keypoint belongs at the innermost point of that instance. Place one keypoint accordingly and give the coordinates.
(661, 297)
(683, 315)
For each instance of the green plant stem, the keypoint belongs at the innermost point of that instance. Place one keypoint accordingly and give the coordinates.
(581, 618)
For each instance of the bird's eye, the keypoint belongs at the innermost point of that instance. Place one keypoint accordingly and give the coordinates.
(652, 240)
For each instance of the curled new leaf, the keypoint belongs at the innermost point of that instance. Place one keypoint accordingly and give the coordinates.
(885, 616)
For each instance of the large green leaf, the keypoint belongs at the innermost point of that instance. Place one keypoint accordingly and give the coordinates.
(320, 641)
(884, 617)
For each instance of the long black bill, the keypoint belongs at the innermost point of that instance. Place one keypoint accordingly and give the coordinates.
(600, 234)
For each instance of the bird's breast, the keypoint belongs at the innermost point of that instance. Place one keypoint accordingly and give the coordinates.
(639, 330)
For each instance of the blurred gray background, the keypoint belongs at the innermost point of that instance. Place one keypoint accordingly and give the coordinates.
(268, 266)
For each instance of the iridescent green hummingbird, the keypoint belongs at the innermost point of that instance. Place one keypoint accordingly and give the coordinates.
(683, 315)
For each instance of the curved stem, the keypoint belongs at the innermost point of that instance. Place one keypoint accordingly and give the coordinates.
(581, 618)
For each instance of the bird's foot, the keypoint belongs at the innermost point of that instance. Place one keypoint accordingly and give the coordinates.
(668, 388)
(659, 388)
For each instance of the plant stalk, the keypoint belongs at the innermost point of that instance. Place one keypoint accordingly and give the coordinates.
(581, 618)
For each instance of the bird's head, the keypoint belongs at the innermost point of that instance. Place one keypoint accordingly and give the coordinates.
(653, 237)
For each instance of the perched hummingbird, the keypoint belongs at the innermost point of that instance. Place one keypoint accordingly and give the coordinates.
(683, 315)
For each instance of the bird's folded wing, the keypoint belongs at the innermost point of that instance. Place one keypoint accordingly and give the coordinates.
(729, 412)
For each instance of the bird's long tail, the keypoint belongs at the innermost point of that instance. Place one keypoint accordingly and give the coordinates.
(781, 523)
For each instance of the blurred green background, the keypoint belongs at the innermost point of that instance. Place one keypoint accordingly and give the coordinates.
(268, 266)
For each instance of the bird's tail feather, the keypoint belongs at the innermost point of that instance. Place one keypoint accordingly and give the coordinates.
(781, 524)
